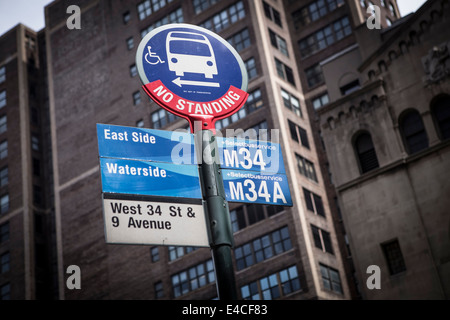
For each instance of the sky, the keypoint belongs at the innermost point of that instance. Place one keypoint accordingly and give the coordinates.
(31, 12)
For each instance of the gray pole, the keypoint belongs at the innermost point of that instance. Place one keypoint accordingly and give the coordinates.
(218, 217)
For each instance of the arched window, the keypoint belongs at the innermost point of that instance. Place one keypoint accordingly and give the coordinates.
(413, 131)
(441, 113)
(365, 152)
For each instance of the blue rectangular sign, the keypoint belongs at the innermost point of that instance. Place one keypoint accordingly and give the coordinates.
(150, 178)
(253, 187)
(145, 144)
(163, 163)
(253, 155)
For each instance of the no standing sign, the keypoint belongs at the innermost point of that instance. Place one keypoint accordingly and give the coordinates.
(192, 72)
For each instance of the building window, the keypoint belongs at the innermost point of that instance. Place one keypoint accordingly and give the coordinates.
(130, 43)
(35, 142)
(365, 152)
(4, 177)
(244, 256)
(178, 252)
(262, 248)
(3, 124)
(322, 239)
(441, 114)
(285, 72)
(314, 75)
(201, 5)
(249, 214)
(220, 124)
(272, 14)
(161, 118)
(175, 252)
(250, 65)
(350, 87)
(392, 10)
(394, 257)
(2, 99)
(140, 123)
(159, 292)
(413, 131)
(255, 213)
(320, 101)
(133, 71)
(225, 18)
(240, 40)
(254, 102)
(144, 9)
(291, 102)
(4, 204)
(147, 7)
(193, 278)
(306, 168)
(2, 74)
(3, 149)
(314, 11)
(278, 42)
(126, 17)
(274, 286)
(273, 210)
(237, 219)
(154, 253)
(256, 132)
(173, 17)
(325, 37)
(136, 98)
(298, 134)
(5, 292)
(314, 202)
(331, 279)
(4, 262)
(4, 232)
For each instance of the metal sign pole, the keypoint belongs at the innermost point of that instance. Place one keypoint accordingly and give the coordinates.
(199, 89)
(221, 234)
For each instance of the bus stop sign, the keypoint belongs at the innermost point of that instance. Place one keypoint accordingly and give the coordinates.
(192, 73)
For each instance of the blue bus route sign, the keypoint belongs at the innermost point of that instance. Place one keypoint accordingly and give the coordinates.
(253, 187)
(125, 176)
(145, 144)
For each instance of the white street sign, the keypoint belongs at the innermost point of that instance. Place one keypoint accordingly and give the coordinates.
(154, 223)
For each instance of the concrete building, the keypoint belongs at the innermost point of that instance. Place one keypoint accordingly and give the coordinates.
(386, 132)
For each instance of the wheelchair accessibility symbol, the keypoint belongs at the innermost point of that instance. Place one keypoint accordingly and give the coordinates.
(152, 57)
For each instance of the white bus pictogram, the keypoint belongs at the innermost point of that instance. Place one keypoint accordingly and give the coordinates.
(190, 52)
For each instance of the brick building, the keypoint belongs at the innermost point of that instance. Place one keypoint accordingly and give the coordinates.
(26, 216)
